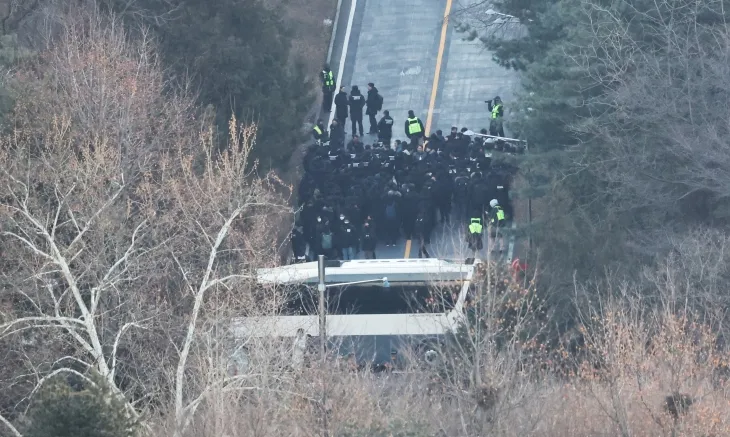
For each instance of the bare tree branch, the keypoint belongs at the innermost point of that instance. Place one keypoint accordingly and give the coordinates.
(199, 295)
(10, 427)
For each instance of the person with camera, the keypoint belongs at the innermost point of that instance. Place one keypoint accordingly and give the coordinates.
(496, 109)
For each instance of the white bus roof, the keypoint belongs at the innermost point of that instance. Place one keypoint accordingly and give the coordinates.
(396, 270)
(347, 325)
(406, 270)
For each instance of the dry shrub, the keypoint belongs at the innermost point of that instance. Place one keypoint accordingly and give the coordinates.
(634, 359)
(130, 238)
(633, 355)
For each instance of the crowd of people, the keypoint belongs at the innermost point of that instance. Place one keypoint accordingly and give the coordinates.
(357, 195)
(354, 198)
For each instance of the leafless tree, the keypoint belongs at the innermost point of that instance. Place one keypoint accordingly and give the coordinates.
(121, 220)
(657, 134)
(637, 353)
(481, 370)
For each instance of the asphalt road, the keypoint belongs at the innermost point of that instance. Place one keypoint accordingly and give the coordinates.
(419, 62)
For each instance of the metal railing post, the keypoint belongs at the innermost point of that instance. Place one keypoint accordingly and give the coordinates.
(321, 287)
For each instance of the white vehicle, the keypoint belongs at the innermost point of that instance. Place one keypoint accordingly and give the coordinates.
(372, 305)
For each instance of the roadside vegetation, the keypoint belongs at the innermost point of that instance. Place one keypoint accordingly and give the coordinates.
(138, 193)
(624, 105)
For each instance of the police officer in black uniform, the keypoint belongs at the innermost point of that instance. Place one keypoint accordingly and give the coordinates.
(385, 128)
(341, 102)
(356, 102)
(357, 185)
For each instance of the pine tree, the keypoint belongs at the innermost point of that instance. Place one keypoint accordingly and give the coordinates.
(91, 410)
(238, 53)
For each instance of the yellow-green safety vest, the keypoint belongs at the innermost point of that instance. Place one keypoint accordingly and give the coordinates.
(475, 227)
(495, 110)
(317, 129)
(328, 79)
(499, 216)
(414, 127)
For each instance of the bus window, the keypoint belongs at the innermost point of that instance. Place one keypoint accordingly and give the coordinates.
(376, 299)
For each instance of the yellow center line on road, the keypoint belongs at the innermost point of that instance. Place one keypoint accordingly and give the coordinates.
(408, 249)
(437, 72)
(435, 87)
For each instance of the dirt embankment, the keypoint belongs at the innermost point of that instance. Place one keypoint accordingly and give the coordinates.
(312, 36)
(311, 43)
(312, 39)
(307, 20)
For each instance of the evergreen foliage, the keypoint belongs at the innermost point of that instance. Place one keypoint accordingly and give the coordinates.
(89, 410)
(240, 50)
(623, 105)
(11, 52)
(238, 55)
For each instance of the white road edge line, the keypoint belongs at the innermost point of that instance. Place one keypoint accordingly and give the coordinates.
(511, 247)
(334, 31)
(345, 44)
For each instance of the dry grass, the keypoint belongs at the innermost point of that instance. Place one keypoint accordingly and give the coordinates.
(632, 356)
(311, 43)
(578, 410)
(549, 409)
(312, 35)
(306, 19)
